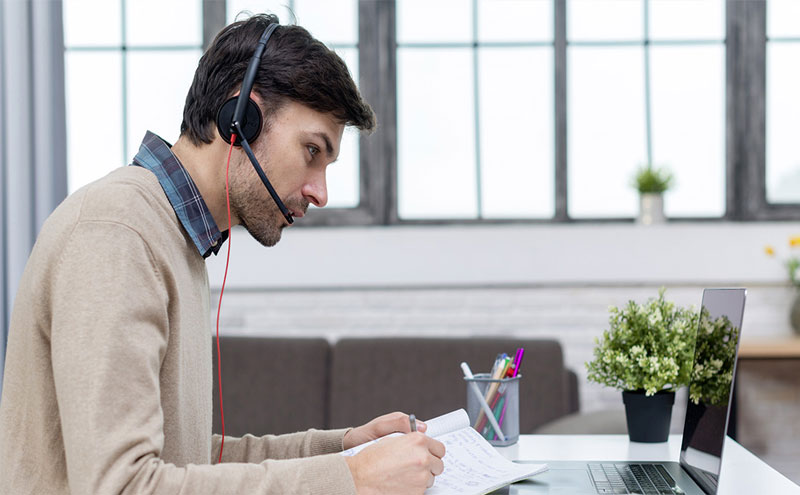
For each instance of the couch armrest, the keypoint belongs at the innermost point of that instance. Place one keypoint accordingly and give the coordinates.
(573, 402)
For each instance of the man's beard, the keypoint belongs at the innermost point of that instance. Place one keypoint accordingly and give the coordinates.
(261, 218)
(266, 229)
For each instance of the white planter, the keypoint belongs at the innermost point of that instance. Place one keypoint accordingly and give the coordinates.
(651, 209)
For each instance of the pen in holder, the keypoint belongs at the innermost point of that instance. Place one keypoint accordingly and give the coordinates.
(502, 397)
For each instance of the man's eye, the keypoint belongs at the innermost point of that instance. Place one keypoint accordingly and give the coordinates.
(312, 150)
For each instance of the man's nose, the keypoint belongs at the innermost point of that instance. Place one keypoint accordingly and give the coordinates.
(315, 191)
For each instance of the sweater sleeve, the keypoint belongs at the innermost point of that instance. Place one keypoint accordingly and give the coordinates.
(250, 448)
(109, 335)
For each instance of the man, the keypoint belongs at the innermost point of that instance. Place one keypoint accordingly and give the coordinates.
(108, 375)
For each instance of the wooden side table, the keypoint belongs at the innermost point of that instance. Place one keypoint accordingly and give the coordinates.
(770, 348)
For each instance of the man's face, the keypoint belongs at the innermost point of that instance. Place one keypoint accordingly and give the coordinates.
(294, 151)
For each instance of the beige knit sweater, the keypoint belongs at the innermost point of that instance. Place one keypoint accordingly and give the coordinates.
(108, 377)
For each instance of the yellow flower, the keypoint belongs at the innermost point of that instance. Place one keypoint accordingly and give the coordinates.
(769, 250)
(794, 241)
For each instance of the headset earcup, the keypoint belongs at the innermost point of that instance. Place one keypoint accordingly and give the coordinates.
(251, 125)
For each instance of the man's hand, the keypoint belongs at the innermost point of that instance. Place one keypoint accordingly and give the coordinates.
(379, 427)
(404, 464)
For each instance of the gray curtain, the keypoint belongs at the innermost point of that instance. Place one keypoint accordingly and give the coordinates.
(33, 146)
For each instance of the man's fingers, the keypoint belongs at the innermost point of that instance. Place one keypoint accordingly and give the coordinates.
(430, 480)
(436, 448)
(437, 466)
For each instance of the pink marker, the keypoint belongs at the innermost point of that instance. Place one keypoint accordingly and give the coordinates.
(518, 360)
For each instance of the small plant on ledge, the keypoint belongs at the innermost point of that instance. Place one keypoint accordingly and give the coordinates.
(652, 180)
(651, 184)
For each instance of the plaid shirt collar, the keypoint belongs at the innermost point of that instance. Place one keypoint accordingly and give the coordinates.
(155, 155)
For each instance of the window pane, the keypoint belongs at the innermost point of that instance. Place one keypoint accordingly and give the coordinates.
(783, 126)
(277, 7)
(426, 21)
(688, 116)
(93, 80)
(81, 26)
(516, 127)
(159, 22)
(602, 20)
(330, 21)
(606, 129)
(343, 183)
(158, 82)
(687, 19)
(783, 18)
(435, 134)
(515, 20)
(342, 176)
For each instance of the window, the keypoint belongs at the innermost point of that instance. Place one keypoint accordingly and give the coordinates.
(783, 102)
(646, 85)
(125, 75)
(475, 112)
(491, 110)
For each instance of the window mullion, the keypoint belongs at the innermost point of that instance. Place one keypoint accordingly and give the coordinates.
(213, 19)
(746, 27)
(378, 84)
(560, 108)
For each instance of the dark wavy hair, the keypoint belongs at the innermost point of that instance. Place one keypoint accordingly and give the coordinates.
(294, 66)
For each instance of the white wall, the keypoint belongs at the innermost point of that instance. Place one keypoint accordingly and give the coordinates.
(502, 255)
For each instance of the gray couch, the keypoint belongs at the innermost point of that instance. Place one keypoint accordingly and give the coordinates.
(281, 385)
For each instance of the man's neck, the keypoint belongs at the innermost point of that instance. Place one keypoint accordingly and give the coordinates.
(206, 165)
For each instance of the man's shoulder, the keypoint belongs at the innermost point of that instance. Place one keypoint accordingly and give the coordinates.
(123, 184)
(129, 196)
(125, 195)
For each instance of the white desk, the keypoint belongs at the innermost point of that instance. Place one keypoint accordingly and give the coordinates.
(742, 472)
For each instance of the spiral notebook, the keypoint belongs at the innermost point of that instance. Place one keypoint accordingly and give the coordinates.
(471, 464)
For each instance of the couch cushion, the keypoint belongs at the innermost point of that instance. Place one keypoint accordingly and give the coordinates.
(272, 385)
(374, 376)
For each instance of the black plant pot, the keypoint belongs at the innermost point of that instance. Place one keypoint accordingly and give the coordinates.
(648, 417)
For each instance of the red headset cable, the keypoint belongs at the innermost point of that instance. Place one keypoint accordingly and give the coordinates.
(222, 291)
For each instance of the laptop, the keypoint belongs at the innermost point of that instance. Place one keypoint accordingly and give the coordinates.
(704, 427)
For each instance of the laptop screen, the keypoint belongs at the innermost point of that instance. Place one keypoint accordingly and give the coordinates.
(711, 384)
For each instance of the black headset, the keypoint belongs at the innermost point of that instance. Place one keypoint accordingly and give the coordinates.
(242, 117)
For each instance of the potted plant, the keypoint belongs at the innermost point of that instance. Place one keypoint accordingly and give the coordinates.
(647, 353)
(651, 184)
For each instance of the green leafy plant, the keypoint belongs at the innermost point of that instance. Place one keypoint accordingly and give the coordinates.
(715, 356)
(647, 347)
(652, 180)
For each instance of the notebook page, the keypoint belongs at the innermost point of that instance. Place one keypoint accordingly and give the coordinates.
(473, 466)
(446, 423)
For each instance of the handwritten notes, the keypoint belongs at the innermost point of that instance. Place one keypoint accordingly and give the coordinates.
(471, 464)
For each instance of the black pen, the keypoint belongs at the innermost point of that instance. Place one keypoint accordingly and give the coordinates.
(413, 422)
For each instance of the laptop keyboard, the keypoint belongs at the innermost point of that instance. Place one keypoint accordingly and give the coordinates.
(632, 478)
